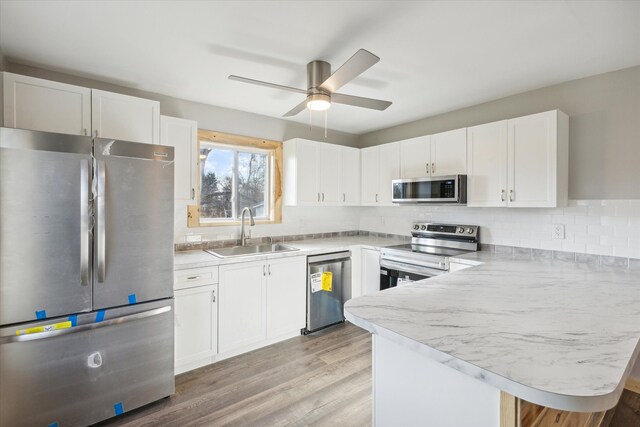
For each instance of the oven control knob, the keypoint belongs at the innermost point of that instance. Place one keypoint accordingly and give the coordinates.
(460, 229)
(424, 227)
(416, 227)
(470, 230)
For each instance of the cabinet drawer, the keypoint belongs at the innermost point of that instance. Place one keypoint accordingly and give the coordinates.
(195, 277)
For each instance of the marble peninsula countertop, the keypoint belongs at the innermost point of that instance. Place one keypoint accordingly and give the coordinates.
(195, 259)
(559, 334)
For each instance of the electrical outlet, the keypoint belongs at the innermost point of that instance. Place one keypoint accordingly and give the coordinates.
(557, 231)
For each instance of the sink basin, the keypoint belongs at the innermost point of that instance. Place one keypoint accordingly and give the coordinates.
(238, 251)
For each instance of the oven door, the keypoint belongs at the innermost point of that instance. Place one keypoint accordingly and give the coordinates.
(437, 189)
(394, 273)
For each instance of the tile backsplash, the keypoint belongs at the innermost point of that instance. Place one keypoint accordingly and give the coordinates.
(598, 227)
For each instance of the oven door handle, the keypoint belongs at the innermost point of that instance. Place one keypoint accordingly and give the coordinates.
(410, 268)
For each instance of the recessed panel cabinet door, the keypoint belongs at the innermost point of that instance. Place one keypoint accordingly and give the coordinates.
(242, 317)
(330, 166)
(389, 169)
(47, 106)
(415, 156)
(370, 169)
(487, 164)
(196, 325)
(308, 161)
(449, 153)
(350, 176)
(182, 135)
(125, 117)
(286, 295)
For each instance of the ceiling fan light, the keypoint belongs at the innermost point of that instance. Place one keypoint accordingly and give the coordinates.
(318, 102)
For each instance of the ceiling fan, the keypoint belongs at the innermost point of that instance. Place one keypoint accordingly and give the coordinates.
(322, 85)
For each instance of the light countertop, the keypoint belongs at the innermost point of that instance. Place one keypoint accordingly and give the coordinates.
(559, 334)
(195, 259)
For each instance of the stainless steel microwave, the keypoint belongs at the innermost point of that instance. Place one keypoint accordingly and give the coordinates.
(435, 189)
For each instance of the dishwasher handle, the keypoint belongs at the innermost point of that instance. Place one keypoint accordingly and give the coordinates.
(333, 257)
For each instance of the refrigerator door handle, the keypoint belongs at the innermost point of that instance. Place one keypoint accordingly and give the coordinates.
(80, 328)
(101, 221)
(84, 222)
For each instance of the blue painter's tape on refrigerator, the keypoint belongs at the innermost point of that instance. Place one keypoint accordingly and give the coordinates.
(100, 315)
(119, 410)
(73, 319)
(53, 424)
(41, 314)
(132, 299)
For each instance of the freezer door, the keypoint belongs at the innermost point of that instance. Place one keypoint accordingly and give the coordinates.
(44, 225)
(324, 307)
(133, 238)
(89, 372)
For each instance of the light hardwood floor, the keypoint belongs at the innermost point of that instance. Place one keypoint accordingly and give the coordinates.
(321, 379)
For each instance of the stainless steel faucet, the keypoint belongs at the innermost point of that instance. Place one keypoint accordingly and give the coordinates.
(243, 237)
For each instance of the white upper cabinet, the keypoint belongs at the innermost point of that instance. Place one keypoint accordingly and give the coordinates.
(182, 135)
(350, 176)
(379, 166)
(449, 153)
(538, 160)
(43, 105)
(487, 164)
(330, 179)
(415, 154)
(125, 117)
(521, 162)
(316, 173)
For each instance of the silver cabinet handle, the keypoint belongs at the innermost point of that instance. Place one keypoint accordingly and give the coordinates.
(433, 168)
(86, 327)
(323, 197)
(84, 222)
(376, 197)
(193, 194)
(264, 269)
(193, 278)
(502, 195)
(427, 165)
(512, 196)
(214, 296)
(84, 131)
(101, 245)
(269, 269)
(318, 196)
(344, 197)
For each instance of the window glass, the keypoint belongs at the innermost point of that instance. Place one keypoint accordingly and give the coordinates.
(216, 182)
(253, 183)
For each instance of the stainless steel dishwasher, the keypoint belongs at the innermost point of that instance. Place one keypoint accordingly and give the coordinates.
(328, 287)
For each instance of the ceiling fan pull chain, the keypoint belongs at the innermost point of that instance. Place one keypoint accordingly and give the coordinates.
(325, 124)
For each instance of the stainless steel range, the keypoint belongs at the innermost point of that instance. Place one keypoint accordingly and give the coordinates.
(428, 253)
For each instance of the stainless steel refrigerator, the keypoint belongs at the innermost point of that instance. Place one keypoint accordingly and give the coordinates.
(86, 277)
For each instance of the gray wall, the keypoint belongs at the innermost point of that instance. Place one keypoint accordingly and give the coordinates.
(604, 128)
(208, 116)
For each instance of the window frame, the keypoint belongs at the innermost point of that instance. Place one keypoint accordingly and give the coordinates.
(241, 143)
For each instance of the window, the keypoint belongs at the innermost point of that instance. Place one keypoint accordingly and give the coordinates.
(238, 172)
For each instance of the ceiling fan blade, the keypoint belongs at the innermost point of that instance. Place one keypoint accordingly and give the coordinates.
(358, 101)
(356, 65)
(295, 110)
(267, 84)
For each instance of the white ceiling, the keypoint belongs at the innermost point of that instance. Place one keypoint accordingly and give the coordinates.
(435, 56)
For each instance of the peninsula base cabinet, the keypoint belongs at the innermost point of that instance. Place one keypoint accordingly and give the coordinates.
(261, 303)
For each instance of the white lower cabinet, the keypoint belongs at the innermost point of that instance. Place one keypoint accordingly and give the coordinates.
(196, 327)
(370, 271)
(260, 302)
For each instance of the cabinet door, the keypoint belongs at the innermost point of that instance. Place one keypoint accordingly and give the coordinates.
(370, 170)
(415, 157)
(196, 326)
(350, 176)
(125, 117)
(286, 295)
(182, 135)
(449, 153)
(330, 167)
(389, 169)
(487, 164)
(370, 271)
(37, 104)
(532, 160)
(241, 317)
(308, 161)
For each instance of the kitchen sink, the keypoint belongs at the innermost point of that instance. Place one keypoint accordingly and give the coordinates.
(238, 251)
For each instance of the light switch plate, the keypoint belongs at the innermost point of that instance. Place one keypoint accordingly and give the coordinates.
(557, 231)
